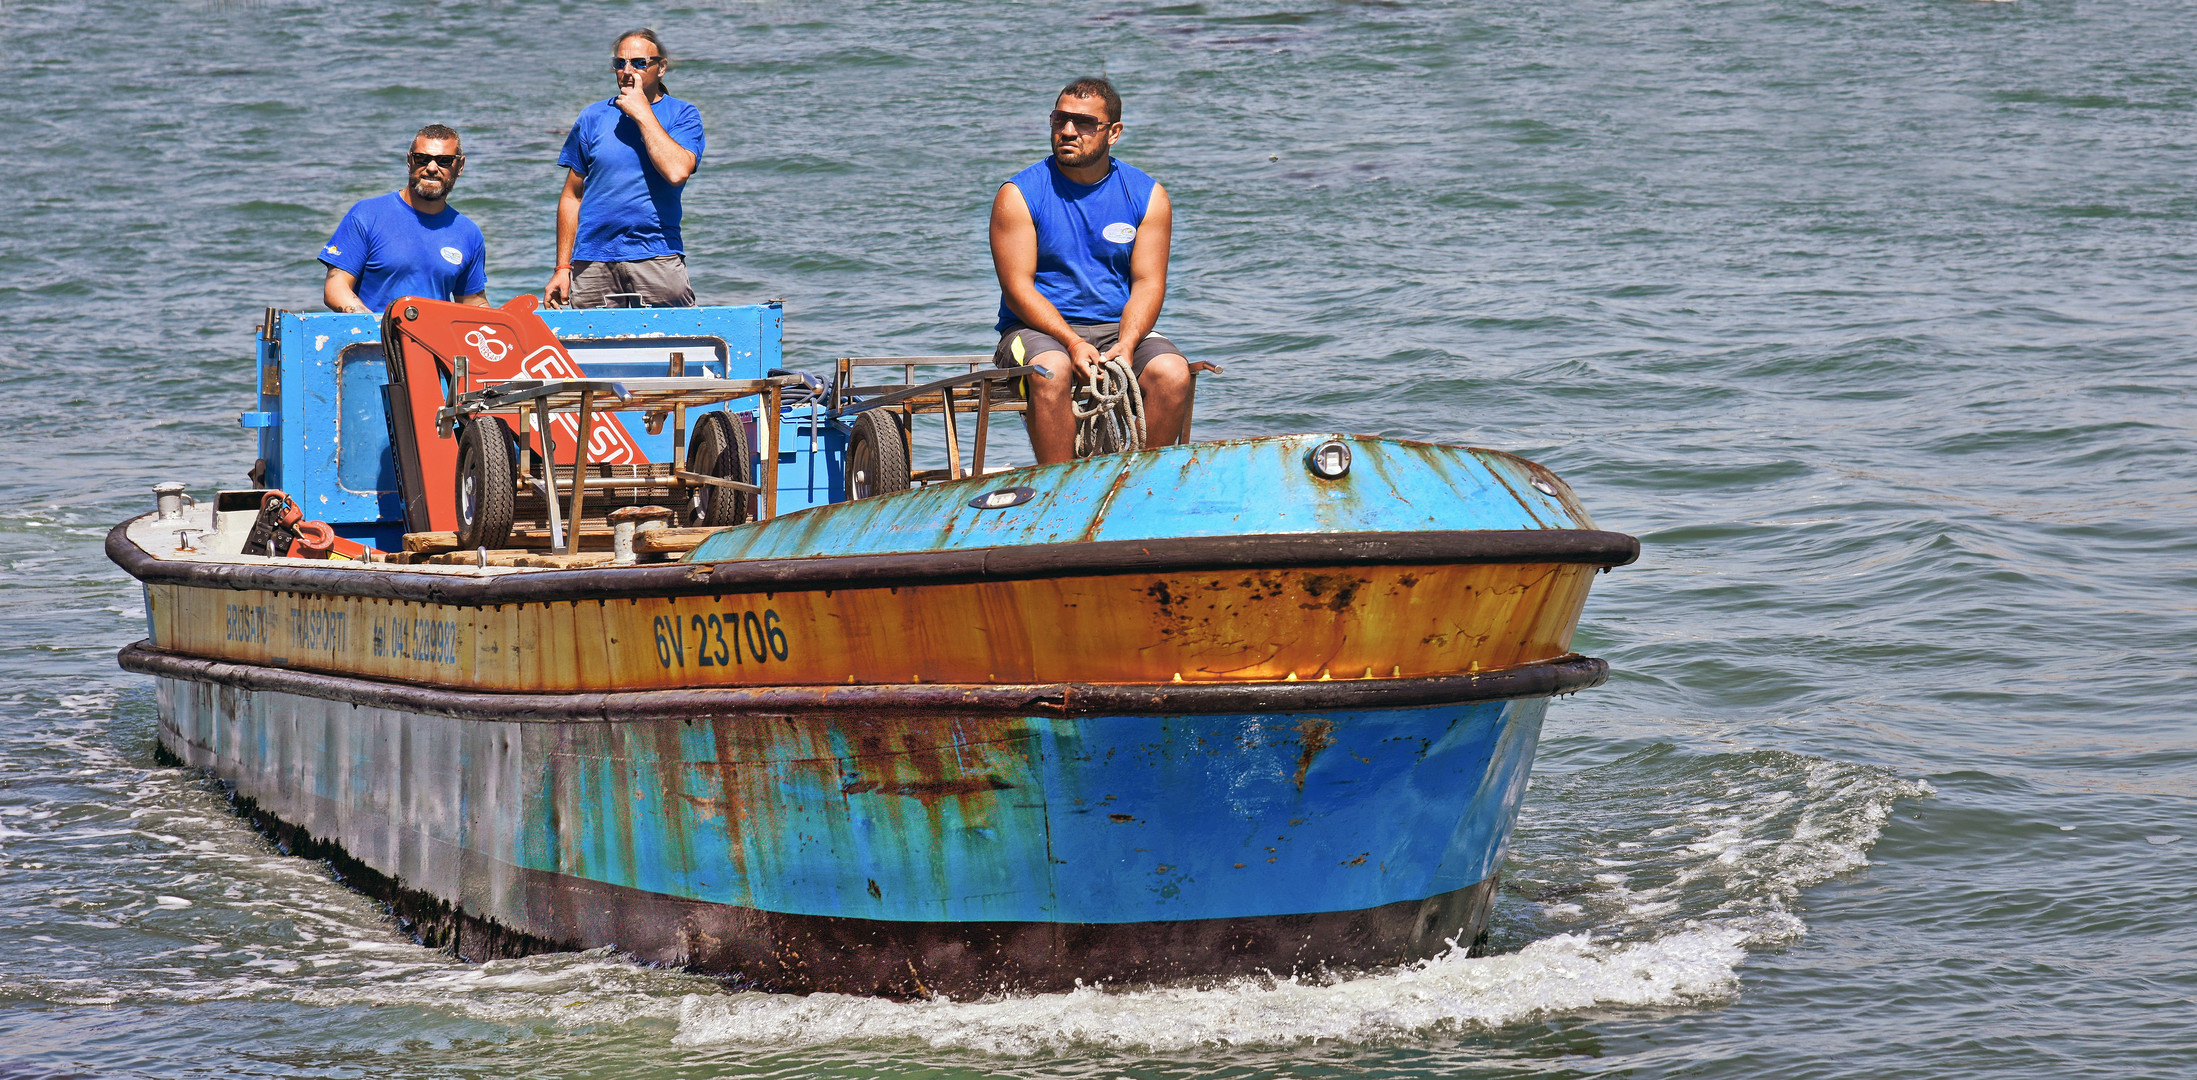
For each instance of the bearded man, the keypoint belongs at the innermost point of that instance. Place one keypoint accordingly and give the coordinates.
(1079, 242)
(409, 242)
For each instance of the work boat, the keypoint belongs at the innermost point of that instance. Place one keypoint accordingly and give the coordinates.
(1217, 709)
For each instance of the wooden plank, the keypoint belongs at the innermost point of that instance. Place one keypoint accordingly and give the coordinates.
(658, 541)
(579, 468)
(678, 417)
(430, 542)
(983, 425)
(593, 538)
(549, 474)
(938, 476)
(773, 420)
(953, 437)
(699, 478)
(544, 560)
(896, 361)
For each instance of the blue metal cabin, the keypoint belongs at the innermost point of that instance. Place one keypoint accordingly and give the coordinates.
(324, 435)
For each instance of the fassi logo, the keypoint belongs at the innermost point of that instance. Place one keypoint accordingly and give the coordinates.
(492, 348)
(608, 441)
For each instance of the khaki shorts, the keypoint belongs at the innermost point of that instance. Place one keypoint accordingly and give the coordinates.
(657, 282)
(1102, 336)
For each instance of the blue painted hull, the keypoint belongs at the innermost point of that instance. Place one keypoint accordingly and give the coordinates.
(890, 849)
(1106, 819)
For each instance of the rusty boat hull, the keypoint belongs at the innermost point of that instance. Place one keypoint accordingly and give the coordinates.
(908, 746)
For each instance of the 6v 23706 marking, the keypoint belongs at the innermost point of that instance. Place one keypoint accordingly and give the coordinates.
(720, 639)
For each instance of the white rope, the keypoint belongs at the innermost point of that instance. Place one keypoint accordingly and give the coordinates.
(1109, 410)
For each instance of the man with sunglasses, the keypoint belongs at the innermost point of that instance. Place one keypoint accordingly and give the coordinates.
(618, 219)
(1079, 242)
(409, 242)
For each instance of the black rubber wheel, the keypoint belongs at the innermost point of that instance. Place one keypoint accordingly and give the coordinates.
(877, 456)
(488, 463)
(719, 448)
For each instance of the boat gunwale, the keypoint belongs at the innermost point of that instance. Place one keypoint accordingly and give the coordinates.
(1084, 558)
(1542, 678)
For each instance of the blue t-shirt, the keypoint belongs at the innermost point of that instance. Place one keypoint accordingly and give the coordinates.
(1085, 233)
(396, 251)
(629, 210)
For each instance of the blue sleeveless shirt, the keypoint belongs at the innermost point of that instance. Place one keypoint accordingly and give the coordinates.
(1085, 233)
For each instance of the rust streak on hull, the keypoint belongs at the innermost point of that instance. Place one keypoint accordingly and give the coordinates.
(784, 953)
(1251, 626)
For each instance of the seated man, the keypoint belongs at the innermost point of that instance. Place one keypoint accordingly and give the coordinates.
(1079, 241)
(409, 242)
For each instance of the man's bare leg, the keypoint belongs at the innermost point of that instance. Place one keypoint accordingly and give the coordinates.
(1051, 419)
(1166, 386)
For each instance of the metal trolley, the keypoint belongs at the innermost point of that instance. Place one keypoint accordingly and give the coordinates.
(878, 417)
(507, 493)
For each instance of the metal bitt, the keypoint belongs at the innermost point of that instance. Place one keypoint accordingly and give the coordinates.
(626, 522)
(1330, 460)
(171, 499)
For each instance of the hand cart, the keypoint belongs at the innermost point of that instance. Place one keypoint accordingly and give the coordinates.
(879, 417)
(506, 493)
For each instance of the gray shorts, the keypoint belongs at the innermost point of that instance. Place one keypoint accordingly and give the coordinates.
(657, 282)
(1102, 336)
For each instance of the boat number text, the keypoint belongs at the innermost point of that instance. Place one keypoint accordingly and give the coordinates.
(719, 640)
(432, 640)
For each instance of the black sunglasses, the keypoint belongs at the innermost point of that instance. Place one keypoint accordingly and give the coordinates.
(447, 161)
(1083, 122)
(639, 63)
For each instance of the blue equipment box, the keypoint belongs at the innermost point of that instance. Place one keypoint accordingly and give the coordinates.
(324, 435)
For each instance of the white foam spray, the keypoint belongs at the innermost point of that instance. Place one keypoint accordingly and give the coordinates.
(1661, 870)
(1563, 973)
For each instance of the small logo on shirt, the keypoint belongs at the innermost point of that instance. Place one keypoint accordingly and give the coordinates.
(450, 255)
(1120, 232)
(332, 250)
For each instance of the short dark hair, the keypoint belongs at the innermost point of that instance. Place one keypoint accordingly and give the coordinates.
(437, 131)
(1092, 86)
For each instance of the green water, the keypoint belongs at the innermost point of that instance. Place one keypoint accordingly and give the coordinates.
(1870, 319)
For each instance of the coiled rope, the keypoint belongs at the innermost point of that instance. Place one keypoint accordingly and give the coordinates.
(1109, 410)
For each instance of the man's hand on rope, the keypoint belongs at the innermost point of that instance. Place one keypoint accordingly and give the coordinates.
(1083, 360)
(1124, 352)
(1110, 411)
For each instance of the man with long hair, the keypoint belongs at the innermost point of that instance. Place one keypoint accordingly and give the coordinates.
(628, 158)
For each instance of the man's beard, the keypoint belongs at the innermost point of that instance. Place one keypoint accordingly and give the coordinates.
(1077, 161)
(442, 188)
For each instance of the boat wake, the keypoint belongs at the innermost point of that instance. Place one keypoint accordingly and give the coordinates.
(1663, 838)
(1641, 883)
(1567, 972)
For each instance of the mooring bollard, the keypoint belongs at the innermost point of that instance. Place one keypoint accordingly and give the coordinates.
(627, 522)
(170, 500)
